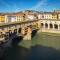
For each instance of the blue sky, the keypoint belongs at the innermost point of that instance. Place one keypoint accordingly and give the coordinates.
(19, 5)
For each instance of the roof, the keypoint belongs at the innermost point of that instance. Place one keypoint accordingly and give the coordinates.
(15, 14)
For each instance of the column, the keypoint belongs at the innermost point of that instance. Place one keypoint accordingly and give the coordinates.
(53, 27)
(17, 29)
(48, 26)
(58, 26)
(44, 25)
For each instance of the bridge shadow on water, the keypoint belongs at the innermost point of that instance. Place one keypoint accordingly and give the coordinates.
(16, 40)
(34, 33)
(37, 52)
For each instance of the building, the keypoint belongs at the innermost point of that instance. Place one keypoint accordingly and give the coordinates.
(20, 17)
(48, 15)
(11, 18)
(30, 15)
(14, 17)
(49, 21)
(2, 18)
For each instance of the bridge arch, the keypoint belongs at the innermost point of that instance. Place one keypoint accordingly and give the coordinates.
(19, 30)
(15, 31)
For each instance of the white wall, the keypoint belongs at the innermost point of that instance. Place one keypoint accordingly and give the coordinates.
(31, 17)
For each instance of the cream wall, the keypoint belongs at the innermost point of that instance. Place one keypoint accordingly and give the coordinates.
(47, 16)
(59, 16)
(30, 17)
(19, 18)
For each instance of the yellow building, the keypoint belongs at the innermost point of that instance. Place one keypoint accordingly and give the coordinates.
(59, 16)
(54, 16)
(20, 17)
(2, 18)
(48, 15)
(15, 17)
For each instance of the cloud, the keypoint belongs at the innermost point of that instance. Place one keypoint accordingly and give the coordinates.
(39, 5)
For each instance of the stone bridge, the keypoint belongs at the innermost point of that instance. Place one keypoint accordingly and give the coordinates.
(24, 29)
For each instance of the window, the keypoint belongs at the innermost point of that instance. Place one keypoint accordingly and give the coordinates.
(42, 16)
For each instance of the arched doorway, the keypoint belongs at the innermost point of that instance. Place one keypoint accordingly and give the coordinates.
(55, 26)
(51, 25)
(46, 25)
(42, 25)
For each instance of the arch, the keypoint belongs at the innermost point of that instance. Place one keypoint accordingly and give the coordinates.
(7, 34)
(51, 25)
(46, 25)
(10, 33)
(55, 26)
(19, 30)
(15, 31)
(42, 24)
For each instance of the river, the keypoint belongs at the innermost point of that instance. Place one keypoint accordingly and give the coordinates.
(37, 52)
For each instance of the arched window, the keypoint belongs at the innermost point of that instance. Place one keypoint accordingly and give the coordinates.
(51, 25)
(55, 26)
(46, 25)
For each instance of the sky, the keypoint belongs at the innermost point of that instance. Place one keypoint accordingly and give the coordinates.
(21, 5)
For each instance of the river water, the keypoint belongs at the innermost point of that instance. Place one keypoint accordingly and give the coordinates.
(36, 52)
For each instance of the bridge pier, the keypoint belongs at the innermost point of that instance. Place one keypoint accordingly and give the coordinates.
(28, 35)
